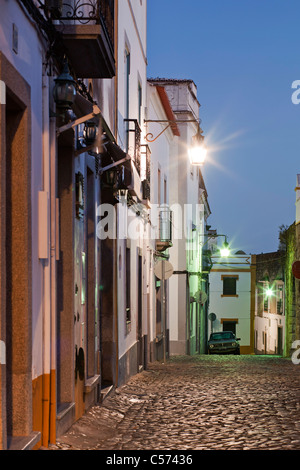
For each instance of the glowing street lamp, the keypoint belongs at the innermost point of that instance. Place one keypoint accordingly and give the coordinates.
(198, 151)
(225, 251)
(269, 292)
(198, 154)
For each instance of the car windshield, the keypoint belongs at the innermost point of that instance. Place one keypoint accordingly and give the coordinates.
(222, 335)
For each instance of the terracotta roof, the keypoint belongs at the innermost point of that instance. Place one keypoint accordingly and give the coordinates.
(168, 108)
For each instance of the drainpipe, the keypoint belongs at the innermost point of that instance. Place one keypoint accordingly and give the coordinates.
(115, 242)
(116, 50)
(54, 255)
(47, 274)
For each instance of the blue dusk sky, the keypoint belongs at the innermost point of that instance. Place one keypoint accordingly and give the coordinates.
(243, 56)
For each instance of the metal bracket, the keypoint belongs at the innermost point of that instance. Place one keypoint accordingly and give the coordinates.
(149, 136)
(112, 165)
(96, 111)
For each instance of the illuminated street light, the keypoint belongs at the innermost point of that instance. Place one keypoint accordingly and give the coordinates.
(225, 251)
(197, 154)
(269, 292)
(198, 151)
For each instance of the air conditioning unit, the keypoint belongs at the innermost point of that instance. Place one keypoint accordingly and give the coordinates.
(164, 236)
(165, 225)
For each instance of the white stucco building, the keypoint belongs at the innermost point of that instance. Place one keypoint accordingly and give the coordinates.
(190, 209)
(230, 297)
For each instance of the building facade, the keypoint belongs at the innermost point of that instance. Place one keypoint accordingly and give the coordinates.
(277, 304)
(231, 306)
(162, 143)
(291, 242)
(270, 303)
(63, 323)
(91, 205)
(190, 209)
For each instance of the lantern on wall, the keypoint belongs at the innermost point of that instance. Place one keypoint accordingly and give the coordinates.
(90, 132)
(64, 91)
(225, 250)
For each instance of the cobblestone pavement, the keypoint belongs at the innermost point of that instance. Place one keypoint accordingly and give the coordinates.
(198, 403)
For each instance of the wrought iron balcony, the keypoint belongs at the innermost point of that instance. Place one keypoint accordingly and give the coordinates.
(134, 141)
(87, 29)
(145, 171)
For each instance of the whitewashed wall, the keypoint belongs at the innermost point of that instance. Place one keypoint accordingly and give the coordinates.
(131, 36)
(231, 307)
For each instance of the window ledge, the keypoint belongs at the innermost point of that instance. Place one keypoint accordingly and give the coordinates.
(23, 442)
(91, 383)
(229, 295)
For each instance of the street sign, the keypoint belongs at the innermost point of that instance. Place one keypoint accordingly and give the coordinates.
(212, 316)
(168, 268)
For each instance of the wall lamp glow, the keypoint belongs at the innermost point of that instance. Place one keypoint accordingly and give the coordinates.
(197, 154)
(225, 251)
(269, 292)
(198, 151)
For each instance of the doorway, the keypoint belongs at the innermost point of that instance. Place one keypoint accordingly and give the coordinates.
(16, 165)
(279, 340)
(92, 325)
(140, 313)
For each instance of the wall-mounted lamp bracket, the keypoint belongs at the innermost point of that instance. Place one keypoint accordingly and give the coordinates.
(113, 165)
(149, 136)
(89, 148)
(96, 111)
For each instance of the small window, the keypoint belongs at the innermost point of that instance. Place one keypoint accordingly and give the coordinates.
(140, 102)
(229, 285)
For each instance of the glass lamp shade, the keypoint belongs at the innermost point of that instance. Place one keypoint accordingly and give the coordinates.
(225, 251)
(197, 154)
(64, 91)
(111, 177)
(90, 132)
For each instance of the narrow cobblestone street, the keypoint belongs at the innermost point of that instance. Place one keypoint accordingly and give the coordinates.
(198, 403)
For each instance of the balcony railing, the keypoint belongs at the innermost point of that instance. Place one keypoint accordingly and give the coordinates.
(86, 11)
(134, 141)
(145, 170)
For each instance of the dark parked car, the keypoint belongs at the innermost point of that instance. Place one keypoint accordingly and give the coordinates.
(223, 342)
